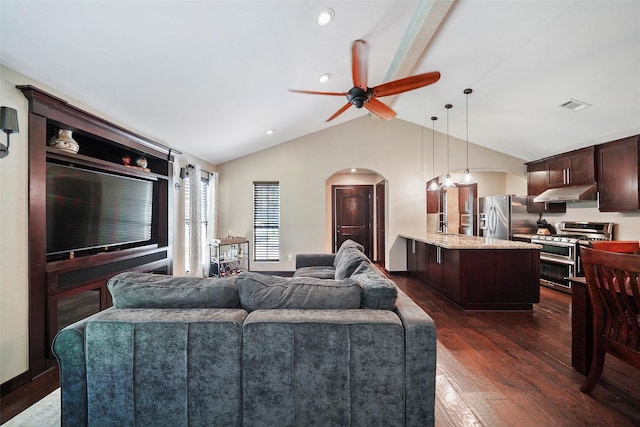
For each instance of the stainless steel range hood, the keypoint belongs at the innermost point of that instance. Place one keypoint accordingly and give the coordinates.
(577, 193)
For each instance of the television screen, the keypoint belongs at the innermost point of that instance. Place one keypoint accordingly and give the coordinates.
(88, 209)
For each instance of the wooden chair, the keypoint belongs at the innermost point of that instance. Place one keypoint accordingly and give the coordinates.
(613, 281)
(625, 246)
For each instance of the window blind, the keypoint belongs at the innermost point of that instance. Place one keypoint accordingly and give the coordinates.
(266, 221)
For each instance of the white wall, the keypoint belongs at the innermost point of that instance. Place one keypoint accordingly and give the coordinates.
(14, 292)
(14, 288)
(627, 225)
(396, 150)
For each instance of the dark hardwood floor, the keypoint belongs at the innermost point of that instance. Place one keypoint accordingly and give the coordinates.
(510, 368)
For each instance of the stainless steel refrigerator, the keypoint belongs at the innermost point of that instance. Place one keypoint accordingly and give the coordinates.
(500, 217)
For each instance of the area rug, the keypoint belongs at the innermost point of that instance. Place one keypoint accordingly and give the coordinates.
(43, 413)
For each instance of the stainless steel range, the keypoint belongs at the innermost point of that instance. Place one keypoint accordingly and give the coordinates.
(560, 253)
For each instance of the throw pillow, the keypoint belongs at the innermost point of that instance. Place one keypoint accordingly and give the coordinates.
(378, 292)
(347, 263)
(263, 291)
(347, 244)
(145, 290)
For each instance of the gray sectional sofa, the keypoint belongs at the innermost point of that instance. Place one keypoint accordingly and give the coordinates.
(337, 344)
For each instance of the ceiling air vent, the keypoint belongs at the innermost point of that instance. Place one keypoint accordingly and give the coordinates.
(575, 105)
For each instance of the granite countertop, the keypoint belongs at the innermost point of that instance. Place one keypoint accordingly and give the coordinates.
(461, 241)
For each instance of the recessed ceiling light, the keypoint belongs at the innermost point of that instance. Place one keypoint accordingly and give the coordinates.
(325, 17)
(270, 131)
(575, 105)
(324, 78)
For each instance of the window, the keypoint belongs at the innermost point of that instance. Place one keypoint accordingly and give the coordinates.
(204, 186)
(266, 221)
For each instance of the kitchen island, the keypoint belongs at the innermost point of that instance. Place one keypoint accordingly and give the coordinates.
(477, 273)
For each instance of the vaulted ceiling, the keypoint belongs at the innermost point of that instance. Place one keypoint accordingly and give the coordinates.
(210, 77)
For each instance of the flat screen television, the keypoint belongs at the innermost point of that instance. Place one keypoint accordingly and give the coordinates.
(88, 209)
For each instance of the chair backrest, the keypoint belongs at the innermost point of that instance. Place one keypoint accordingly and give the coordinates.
(625, 246)
(613, 283)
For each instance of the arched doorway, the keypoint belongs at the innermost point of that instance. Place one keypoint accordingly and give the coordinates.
(356, 209)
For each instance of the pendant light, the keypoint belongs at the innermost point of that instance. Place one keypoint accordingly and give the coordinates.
(434, 183)
(467, 178)
(448, 182)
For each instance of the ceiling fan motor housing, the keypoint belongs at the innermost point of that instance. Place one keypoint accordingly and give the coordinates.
(358, 97)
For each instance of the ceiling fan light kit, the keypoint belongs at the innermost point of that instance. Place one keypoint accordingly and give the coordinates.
(361, 95)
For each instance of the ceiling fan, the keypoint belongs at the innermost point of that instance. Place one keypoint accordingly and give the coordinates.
(361, 95)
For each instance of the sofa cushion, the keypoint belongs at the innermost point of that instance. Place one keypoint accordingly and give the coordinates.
(378, 292)
(320, 272)
(347, 244)
(262, 291)
(347, 263)
(145, 290)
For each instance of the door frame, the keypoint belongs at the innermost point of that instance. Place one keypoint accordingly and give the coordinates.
(370, 213)
(380, 222)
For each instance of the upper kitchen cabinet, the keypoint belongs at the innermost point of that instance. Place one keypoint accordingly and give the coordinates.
(433, 197)
(537, 182)
(572, 168)
(618, 169)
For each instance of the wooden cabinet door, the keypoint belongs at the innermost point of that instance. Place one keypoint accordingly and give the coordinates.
(412, 259)
(574, 168)
(618, 170)
(537, 173)
(433, 198)
(421, 260)
(556, 171)
(451, 269)
(434, 267)
(582, 168)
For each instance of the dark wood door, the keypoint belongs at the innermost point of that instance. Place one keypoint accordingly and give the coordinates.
(352, 214)
(380, 223)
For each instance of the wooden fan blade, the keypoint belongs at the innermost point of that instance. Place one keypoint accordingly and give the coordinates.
(360, 63)
(380, 109)
(406, 84)
(315, 92)
(340, 111)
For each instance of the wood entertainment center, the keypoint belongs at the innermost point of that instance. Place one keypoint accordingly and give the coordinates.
(67, 287)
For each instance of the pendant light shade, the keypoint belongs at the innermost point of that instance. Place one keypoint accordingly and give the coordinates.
(448, 182)
(434, 183)
(467, 178)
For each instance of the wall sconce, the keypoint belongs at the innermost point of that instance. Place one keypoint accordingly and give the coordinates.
(9, 124)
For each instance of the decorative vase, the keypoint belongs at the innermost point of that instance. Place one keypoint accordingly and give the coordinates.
(141, 161)
(64, 141)
(126, 160)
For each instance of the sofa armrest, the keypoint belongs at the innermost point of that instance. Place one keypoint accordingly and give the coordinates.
(68, 348)
(314, 260)
(420, 342)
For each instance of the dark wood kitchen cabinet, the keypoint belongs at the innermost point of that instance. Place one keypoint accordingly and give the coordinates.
(479, 279)
(618, 170)
(537, 182)
(433, 198)
(417, 259)
(434, 267)
(572, 168)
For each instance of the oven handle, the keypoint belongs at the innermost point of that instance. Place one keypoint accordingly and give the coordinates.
(556, 260)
